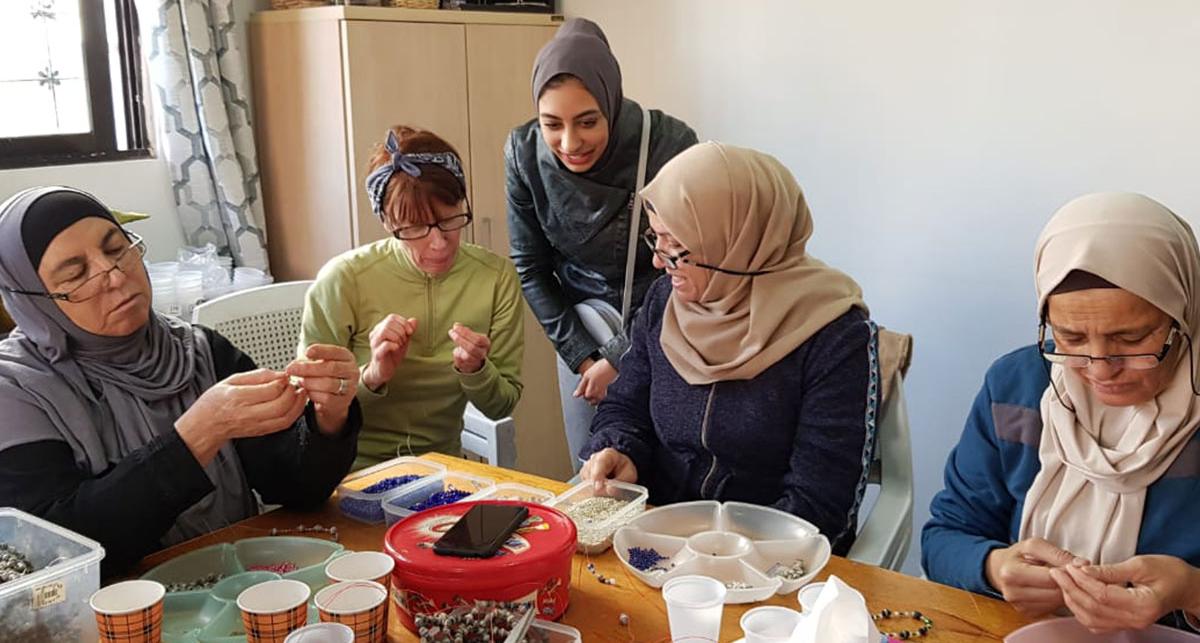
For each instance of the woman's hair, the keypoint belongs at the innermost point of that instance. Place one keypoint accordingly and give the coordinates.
(410, 199)
(556, 81)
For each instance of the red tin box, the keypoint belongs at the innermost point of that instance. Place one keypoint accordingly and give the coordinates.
(534, 566)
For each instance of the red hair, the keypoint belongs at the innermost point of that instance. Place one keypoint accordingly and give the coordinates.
(409, 200)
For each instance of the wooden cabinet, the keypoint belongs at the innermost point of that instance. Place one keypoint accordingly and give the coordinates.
(329, 82)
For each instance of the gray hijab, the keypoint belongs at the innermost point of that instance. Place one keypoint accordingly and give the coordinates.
(580, 49)
(106, 397)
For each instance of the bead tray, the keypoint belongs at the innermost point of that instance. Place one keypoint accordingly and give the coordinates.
(731, 542)
(396, 504)
(212, 615)
(597, 537)
(355, 503)
(514, 491)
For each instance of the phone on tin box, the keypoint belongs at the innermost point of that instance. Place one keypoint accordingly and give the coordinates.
(481, 531)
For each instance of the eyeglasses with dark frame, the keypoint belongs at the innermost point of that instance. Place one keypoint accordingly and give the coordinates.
(673, 261)
(1137, 361)
(422, 230)
(94, 285)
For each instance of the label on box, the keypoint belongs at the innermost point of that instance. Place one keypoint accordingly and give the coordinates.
(49, 594)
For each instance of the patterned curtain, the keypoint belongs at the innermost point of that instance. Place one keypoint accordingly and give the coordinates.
(200, 90)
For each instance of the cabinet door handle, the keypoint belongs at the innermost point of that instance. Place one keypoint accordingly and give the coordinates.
(487, 231)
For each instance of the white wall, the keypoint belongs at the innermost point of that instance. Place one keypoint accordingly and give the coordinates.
(141, 186)
(933, 138)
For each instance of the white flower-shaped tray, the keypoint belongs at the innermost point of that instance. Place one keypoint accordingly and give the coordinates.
(734, 542)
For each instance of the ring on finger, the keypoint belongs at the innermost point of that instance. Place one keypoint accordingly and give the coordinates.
(341, 386)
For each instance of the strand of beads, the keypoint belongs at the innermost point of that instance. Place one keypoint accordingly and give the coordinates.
(904, 635)
(484, 622)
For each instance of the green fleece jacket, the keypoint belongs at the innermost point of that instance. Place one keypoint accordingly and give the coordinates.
(421, 407)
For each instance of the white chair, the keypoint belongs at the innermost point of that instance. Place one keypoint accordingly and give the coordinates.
(886, 533)
(264, 323)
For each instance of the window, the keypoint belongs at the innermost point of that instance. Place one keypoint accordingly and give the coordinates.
(70, 82)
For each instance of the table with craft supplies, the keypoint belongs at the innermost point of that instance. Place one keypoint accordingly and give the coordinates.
(597, 607)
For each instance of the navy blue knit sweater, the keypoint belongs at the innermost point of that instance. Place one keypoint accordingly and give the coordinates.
(793, 438)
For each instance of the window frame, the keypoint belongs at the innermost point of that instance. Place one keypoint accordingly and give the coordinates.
(101, 144)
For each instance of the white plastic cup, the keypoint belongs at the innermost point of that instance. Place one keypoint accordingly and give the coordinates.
(361, 565)
(322, 633)
(769, 624)
(694, 607)
(808, 595)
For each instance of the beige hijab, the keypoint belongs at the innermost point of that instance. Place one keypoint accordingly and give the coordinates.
(1096, 460)
(742, 210)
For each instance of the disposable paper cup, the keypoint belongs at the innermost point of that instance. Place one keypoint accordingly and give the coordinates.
(769, 624)
(129, 612)
(694, 607)
(271, 610)
(808, 595)
(322, 633)
(362, 565)
(360, 604)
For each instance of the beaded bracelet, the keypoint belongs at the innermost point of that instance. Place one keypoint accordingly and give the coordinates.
(904, 635)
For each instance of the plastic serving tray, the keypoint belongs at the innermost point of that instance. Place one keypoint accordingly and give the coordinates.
(212, 615)
(734, 542)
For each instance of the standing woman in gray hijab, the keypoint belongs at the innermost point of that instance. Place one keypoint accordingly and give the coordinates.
(136, 429)
(572, 175)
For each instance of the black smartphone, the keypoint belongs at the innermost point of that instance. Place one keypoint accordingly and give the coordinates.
(481, 531)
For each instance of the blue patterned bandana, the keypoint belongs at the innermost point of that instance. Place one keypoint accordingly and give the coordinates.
(410, 164)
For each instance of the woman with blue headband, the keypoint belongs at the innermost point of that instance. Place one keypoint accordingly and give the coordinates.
(433, 322)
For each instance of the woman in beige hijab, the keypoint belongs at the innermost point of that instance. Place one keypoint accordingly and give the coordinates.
(1074, 485)
(753, 371)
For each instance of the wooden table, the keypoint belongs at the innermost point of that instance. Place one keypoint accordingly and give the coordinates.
(596, 608)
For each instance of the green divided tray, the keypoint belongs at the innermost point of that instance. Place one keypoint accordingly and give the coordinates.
(212, 615)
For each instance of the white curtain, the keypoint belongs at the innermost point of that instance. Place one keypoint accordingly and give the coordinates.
(200, 92)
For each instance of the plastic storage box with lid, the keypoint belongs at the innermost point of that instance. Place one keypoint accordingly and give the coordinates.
(408, 500)
(595, 535)
(534, 566)
(514, 491)
(360, 496)
(51, 603)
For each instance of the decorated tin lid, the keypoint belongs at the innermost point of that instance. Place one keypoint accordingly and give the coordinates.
(545, 539)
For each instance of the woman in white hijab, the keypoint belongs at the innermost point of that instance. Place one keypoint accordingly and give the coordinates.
(1074, 483)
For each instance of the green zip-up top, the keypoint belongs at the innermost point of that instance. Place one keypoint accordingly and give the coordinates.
(421, 407)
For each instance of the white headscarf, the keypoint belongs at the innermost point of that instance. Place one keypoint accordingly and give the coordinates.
(1097, 460)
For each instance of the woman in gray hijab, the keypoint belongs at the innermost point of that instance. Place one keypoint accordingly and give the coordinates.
(136, 429)
(572, 173)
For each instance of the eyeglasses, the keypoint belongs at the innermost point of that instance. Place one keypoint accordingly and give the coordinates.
(422, 230)
(1137, 362)
(95, 284)
(673, 261)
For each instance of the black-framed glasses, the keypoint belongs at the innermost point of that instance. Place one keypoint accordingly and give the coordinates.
(422, 230)
(94, 285)
(1136, 361)
(673, 261)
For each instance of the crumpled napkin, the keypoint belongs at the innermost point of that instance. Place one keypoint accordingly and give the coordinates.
(840, 615)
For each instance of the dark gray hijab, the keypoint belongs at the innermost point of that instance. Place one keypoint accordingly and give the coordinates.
(105, 397)
(593, 198)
